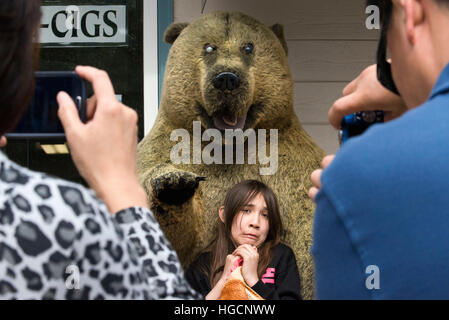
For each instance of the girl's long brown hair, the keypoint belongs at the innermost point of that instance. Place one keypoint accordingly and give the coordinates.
(236, 198)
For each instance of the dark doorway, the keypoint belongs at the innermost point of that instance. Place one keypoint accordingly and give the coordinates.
(123, 61)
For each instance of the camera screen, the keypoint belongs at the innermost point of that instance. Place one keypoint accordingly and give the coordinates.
(42, 115)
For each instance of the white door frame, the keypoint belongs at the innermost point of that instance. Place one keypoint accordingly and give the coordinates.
(150, 63)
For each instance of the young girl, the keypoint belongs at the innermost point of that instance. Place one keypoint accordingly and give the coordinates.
(250, 229)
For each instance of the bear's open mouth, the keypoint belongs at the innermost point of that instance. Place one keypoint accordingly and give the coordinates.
(223, 122)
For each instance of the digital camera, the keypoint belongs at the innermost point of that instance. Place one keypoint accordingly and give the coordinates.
(356, 123)
(41, 120)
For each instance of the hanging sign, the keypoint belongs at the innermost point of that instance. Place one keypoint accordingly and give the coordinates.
(83, 26)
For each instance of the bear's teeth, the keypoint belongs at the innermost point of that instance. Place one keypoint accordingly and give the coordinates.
(230, 121)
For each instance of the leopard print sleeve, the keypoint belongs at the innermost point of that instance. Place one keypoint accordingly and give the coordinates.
(161, 266)
(58, 241)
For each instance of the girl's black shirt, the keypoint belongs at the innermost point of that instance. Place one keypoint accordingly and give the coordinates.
(279, 282)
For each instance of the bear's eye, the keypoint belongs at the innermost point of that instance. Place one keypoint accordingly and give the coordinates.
(209, 48)
(248, 48)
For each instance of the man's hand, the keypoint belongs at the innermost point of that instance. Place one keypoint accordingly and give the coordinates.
(316, 176)
(366, 93)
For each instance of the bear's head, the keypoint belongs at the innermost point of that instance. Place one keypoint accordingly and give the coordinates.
(228, 71)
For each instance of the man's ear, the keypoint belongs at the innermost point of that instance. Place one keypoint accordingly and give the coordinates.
(173, 31)
(278, 30)
(414, 14)
(221, 214)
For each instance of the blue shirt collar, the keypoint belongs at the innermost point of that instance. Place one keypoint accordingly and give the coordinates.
(442, 84)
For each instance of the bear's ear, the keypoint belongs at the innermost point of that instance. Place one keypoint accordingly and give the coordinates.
(173, 31)
(278, 30)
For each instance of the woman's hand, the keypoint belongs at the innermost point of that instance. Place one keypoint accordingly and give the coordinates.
(3, 141)
(366, 93)
(250, 263)
(104, 148)
(316, 176)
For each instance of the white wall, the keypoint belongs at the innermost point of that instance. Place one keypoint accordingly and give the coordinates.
(328, 47)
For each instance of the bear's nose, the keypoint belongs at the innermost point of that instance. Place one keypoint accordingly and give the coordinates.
(226, 80)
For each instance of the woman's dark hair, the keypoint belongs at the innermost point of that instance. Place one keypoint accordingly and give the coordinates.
(236, 199)
(443, 3)
(19, 25)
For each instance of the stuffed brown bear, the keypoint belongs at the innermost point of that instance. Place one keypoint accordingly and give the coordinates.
(227, 73)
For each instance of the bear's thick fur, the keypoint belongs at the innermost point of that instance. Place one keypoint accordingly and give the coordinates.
(227, 70)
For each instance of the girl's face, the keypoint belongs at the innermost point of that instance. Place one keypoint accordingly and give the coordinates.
(250, 225)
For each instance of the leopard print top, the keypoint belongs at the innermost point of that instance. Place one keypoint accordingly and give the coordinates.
(58, 241)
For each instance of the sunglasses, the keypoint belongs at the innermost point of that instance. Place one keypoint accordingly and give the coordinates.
(383, 66)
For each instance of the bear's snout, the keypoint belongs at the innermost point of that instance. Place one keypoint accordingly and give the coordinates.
(227, 96)
(226, 81)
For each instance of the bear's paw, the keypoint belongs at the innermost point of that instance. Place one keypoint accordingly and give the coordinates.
(175, 188)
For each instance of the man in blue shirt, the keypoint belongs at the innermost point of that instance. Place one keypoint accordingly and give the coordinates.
(381, 227)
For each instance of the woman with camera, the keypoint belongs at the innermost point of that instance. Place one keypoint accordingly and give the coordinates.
(59, 240)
